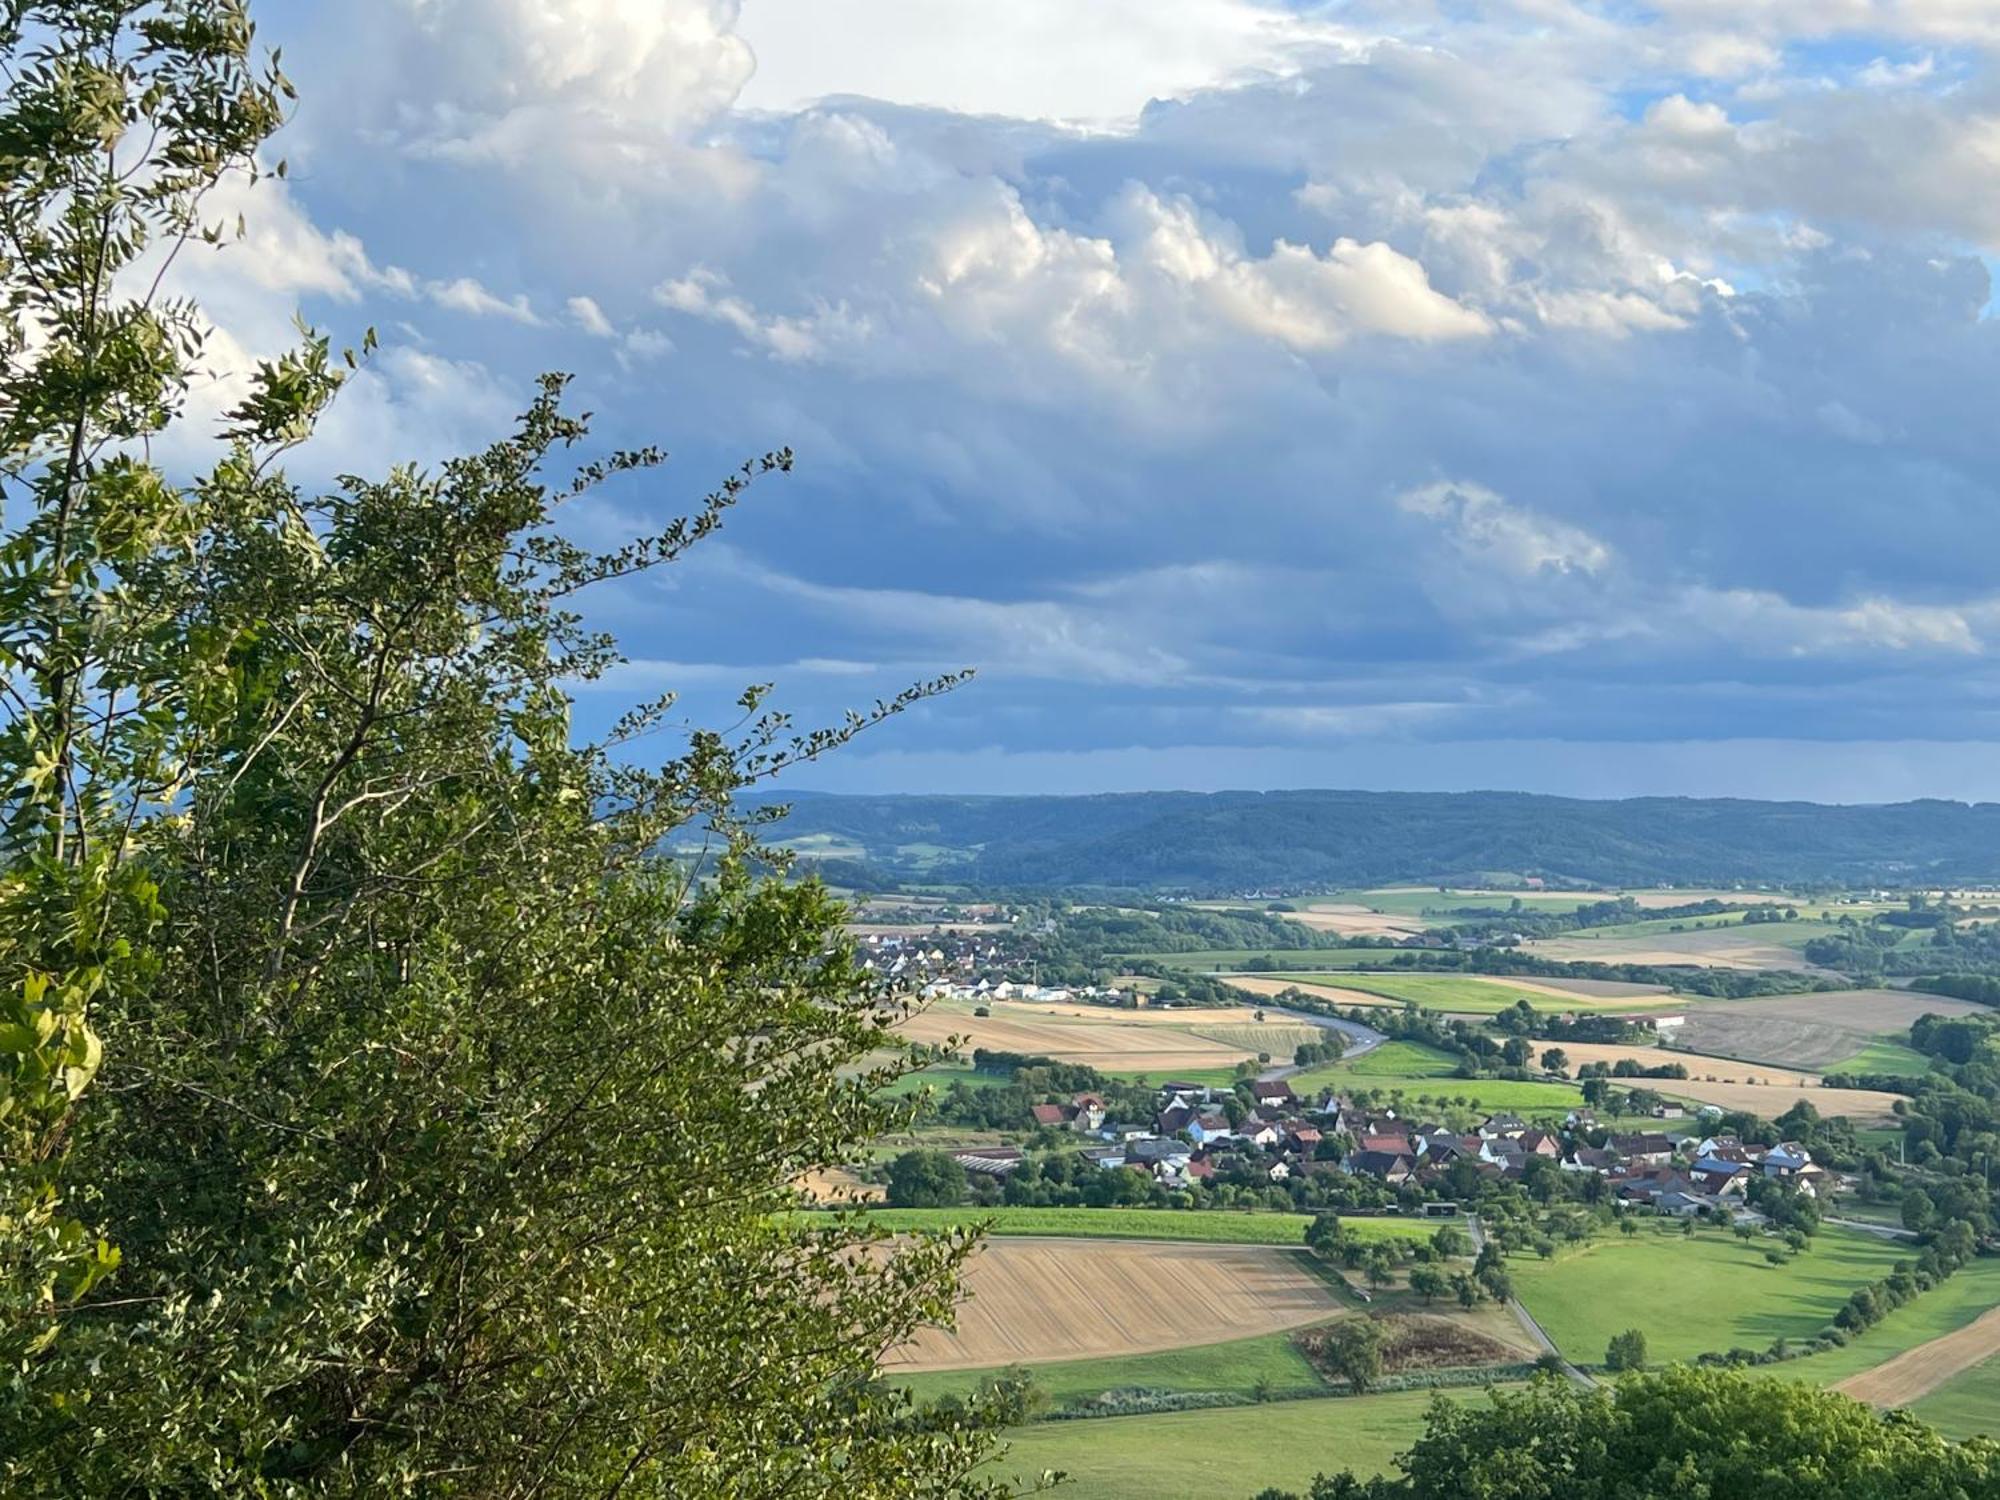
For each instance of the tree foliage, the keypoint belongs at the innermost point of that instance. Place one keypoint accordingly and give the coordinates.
(1685, 1432)
(443, 1126)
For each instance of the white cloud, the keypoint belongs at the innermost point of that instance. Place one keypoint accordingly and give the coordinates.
(1037, 59)
(588, 316)
(465, 294)
(1483, 526)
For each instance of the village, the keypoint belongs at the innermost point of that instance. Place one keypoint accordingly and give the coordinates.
(1260, 1129)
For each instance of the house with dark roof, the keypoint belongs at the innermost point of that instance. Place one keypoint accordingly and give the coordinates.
(1390, 1166)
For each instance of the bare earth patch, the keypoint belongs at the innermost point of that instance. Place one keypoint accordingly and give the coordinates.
(1919, 1371)
(1700, 1069)
(1418, 1341)
(1037, 1301)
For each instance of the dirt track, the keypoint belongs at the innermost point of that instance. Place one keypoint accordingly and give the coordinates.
(1919, 1371)
(1036, 1300)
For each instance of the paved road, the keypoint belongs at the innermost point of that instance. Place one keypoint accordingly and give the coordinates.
(1361, 1040)
(1526, 1319)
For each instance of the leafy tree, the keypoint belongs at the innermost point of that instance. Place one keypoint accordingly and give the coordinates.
(1354, 1352)
(1627, 1351)
(1429, 1283)
(444, 1118)
(1715, 1433)
(1555, 1060)
(926, 1179)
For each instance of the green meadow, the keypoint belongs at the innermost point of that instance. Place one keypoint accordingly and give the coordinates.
(1424, 1072)
(1691, 1295)
(1229, 1453)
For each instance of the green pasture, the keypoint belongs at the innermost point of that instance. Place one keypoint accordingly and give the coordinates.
(1967, 1405)
(1693, 1294)
(1206, 1226)
(1885, 1055)
(1242, 1365)
(1230, 1452)
(1941, 1310)
(1420, 1072)
(942, 1076)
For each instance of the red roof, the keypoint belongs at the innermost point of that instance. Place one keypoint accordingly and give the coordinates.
(1047, 1114)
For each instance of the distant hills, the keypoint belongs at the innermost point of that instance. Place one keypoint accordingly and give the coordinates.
(1227, 842)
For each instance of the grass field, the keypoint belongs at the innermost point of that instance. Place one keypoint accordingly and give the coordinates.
(1421, 1071)
(1238, 1365)
(1691, 1295)
(1885, 1056)
(1034, 1301)
(1232, 1452)
(943, 1075)
(1204, 1226)
(1942, 1310)
(1967, 1405)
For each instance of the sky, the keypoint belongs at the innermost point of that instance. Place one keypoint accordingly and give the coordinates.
(1586, 398)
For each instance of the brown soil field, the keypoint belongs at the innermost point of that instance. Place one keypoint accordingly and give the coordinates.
(1111, 1040)
(1701, 1070)
(1871, 1012)
(1744, 1032)
(1036, 1301)
(1919, 1371)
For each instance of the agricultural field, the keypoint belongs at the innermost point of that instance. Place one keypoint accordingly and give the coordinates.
(1885, 1056)
(1820, 1031)
(1230, 1452)
(1937, 1314)
(1269, 1360)
(1917, 1372)
(1776, 945)
(1229, 960)
(1757, 1087)
(1424, 1072)
(1202, 1226)
(1457, 994)
(1157, 1042)
(1037, 1300)
(1967, 1405)
(1694, 1294)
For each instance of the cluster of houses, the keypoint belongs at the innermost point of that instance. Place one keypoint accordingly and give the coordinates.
(1193, 1137)
(943, 960)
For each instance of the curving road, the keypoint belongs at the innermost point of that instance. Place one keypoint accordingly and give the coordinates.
(1361, 1040)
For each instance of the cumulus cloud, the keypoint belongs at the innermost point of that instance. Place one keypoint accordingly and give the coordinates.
(1429, 372)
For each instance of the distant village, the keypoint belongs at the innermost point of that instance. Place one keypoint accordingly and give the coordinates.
(1280, 1137)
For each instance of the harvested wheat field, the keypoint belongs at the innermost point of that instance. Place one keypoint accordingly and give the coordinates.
(1274, 985)
(1592, 989)
(1035, 1301)
(1700, 1069)
(839, 1185)
(1721, 948)
(1113, 1041)
(1355, 921)
(1919, 1371)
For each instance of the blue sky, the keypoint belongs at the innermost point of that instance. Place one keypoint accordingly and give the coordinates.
(1584, 398)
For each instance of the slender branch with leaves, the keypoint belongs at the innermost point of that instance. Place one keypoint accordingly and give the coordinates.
(385, 1108)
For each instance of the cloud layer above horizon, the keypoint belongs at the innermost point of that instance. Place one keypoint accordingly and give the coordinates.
(1578, 397)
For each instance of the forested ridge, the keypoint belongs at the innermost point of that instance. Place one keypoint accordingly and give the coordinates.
(1297, 840)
